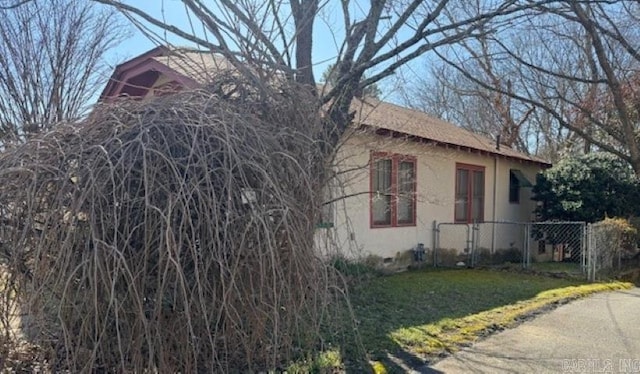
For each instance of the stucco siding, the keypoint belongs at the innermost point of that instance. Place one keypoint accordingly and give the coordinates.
(435, 190)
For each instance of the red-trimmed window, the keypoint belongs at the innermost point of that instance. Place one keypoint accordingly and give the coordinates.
(469, 204)
(393, 190)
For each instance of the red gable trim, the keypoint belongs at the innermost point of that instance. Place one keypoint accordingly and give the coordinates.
(140, 65)
(115, 78)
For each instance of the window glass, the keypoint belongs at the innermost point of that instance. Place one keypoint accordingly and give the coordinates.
(393, 190)
(514, 188)
(406, 192)
(469, 194)
(477, 204)
(462, 195)
(381, 203)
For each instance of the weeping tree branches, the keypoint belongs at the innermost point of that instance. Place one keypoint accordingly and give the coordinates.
(51, 63)
(175, 235)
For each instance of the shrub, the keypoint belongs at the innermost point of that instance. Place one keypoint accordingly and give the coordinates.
(499, 256)
(354, 269)
(618, 234)
(451, 257)
(173, 235)
(587, 188)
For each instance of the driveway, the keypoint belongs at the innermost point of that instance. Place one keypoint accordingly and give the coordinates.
(599, 334)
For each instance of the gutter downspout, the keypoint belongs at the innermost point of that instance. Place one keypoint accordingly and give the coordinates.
(495, 196)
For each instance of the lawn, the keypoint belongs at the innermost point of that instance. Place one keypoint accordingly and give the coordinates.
(405, 318)
(557, 267)
(401, 320)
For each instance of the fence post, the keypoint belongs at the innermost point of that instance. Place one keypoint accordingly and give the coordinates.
(493, 237)
(469, 245)
(594, 255)
(526, 255)
(435, 242)
(590, 253)
(475, 234)
(585, 245)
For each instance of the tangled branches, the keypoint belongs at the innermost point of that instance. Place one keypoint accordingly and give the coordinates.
(173, 235)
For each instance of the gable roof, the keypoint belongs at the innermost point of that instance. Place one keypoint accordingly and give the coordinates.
(197, 65)
(192, 68)
(189, 67)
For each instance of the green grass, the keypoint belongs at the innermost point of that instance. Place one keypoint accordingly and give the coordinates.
(325, 362)
(386, 304)
(418, 314)
(557, 267)
(404, 318)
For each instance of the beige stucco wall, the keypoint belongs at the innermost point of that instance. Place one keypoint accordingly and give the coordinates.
(435, 175)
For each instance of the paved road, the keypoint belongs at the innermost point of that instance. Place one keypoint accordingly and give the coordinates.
(599, 334)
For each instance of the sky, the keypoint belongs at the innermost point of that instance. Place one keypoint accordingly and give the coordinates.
(327, 34)
(173, 11)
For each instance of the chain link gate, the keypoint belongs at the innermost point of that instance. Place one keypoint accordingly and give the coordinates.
(498, 243)
(486, 243)
(455, 246)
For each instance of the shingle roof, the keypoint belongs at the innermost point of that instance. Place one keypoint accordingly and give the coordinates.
(197, 65)
(386, 116)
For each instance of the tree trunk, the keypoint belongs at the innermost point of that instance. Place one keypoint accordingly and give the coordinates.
(304, 15)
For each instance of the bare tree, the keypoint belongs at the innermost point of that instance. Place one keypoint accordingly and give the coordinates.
(481, 110)
(377, 38)
(329, 78)
(447, 93)
(576, 61)
(51, 62)
(169, 235)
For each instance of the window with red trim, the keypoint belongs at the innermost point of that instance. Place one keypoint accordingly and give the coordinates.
(393, 190)
(469, 203)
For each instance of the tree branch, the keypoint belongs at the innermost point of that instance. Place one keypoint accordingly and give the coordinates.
(539, 104)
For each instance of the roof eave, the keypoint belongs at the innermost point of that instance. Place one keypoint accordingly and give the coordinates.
(140, 64)
(396, 134)
(120, 69)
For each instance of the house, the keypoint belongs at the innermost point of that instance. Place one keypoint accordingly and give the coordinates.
(400, 171)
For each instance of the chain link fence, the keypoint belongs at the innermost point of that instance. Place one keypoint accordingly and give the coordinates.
(544, 246)
(558, 242)
(596, 251)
